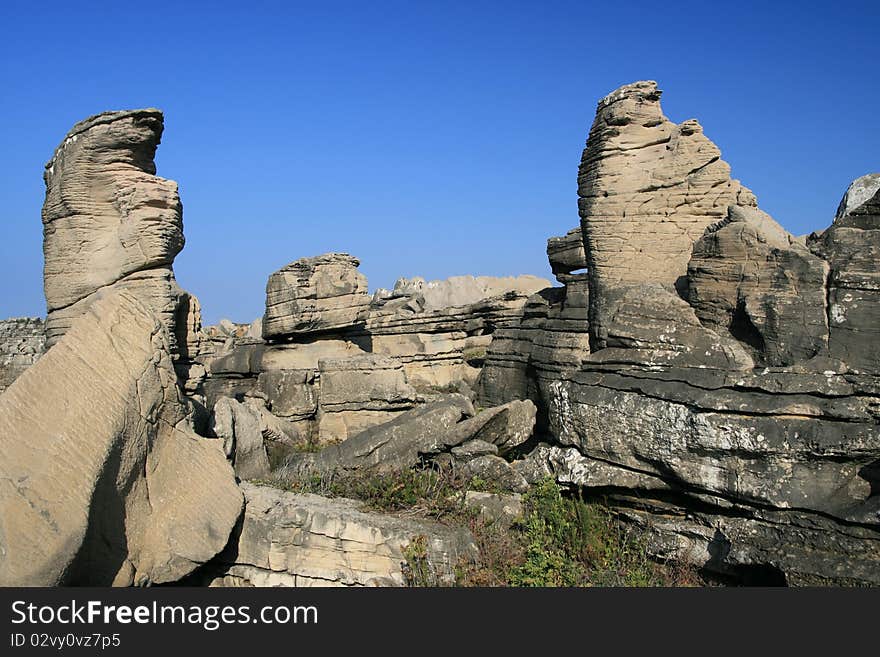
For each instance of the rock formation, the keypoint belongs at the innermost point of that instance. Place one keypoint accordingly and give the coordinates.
(22, 342)
(727, 401)
(109, 221)
(446, 431)
(315, 294)
(851, 247)
(308, 540)
(101, 481)
(710, 376)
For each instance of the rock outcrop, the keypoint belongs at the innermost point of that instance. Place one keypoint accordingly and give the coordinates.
(648, 189)
(748, 276)
(727, 401)
(307, 540)
(109, 221)
(446, 431)
(101, 481)
(22, 342)
(325, 293)
(851, 247)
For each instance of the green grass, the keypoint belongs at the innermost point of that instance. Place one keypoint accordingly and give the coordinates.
(560, 541)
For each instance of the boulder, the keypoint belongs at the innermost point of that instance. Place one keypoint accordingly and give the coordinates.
(324, 293)
(505, 427)
(395, 445)
(495, 508)
(566, 254)
(102, 482)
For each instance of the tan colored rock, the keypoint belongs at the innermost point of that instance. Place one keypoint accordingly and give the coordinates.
(749, 277)
(566, 254)
(240, 427)
(308, 540)
(108, 220)
(101, 481)
(309, 295)
(648, 189)
(358, 393)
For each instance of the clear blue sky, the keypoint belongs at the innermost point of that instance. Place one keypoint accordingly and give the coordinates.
(428, 139)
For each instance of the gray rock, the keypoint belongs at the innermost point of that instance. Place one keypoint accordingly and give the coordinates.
(506, 426)
(395, 445)
(860, 191)
(566, 254)
(495, 508)
(472, 449)
(750, 278)
(852, 248)
(22, 342)
(239, 426)
(493, 471)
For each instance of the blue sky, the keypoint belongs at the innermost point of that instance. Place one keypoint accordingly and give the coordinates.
(429, 139)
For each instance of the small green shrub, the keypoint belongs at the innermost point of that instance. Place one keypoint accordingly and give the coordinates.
(416, 568)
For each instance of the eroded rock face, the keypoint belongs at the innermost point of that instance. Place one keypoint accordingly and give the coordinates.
(22, 342)
(566, 254)
(108, 220)
(781, 467)
(749, 277)
(240, 427)
(852, 248)
(445, 431)
(648, 189)
(310, 295)
(308, 540)
(101, 481)
(727, 401)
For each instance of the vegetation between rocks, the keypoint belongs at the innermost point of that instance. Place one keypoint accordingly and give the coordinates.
(560, 540)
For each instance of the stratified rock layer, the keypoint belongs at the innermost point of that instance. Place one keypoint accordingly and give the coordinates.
(101, 481)
(315, 294)
(648, 189)
(308, 540)
(108, 220)
(728, 400)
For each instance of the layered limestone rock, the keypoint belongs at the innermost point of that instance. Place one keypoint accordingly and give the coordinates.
(551, 336)
(22, 342)
(727, 402)
(648, 189)
(781, 468)
(308, 540)
(445, 431)
(102, 482)
(749, 277)
(852, 248)
(566, 254)
(325, 293)
(109, 221)
(358, 393)
(440, 330)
